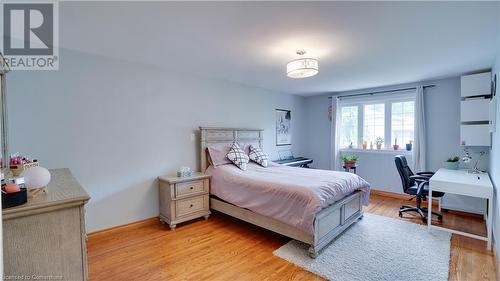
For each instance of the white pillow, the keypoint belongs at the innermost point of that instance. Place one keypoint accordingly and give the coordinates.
(238, 156)
(258, 156)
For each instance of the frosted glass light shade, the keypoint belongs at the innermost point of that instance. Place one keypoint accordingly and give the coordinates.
(302, 68)
(36, 177)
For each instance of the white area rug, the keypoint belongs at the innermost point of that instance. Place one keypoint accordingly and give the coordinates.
(378, 248)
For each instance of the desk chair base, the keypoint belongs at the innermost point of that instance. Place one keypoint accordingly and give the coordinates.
(421, 211)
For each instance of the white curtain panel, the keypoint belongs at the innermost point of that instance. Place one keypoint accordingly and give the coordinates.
(335, 129)
(419, 146)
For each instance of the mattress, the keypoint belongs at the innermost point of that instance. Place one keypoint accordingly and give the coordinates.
(291, 195)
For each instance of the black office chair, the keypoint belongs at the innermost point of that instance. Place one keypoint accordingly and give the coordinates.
(417, 185)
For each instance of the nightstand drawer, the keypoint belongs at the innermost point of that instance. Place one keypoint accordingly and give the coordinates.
(190, 205)
(188, 188)
(184, 199)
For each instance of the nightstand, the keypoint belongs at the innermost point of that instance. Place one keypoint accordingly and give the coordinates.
(184, 199)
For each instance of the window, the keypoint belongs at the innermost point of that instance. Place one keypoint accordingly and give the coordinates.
(349, 129)
(373, 122)
(390, 117)
(403, 115)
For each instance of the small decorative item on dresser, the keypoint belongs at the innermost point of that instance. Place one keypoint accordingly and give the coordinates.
(184, 198)
(13, 194)
(36, 179)
(19, 163)
(12, 199)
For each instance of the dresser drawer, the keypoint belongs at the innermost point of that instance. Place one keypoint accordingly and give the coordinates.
(189, 206)
(187, 188)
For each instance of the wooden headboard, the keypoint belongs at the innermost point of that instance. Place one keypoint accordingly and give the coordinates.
(213, 136)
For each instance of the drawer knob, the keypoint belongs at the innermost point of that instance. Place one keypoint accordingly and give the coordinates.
(191, 188)
(191, 206)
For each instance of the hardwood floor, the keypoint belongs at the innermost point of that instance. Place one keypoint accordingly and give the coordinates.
(224, 248)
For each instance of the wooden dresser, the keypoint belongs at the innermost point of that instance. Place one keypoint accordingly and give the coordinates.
(183, 199)
(45, 238)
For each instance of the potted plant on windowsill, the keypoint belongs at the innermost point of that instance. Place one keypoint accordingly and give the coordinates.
(452, 163)
(409, 146)
(365, 144)
(349, 160)
(379, 141)
(395, 146)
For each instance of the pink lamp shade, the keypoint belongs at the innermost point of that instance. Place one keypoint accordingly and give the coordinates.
(36, 177)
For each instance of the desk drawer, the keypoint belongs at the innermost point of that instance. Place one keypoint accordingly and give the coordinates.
(189, 206)
(188, 188)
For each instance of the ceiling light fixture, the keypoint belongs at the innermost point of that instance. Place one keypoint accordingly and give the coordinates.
(303, 67)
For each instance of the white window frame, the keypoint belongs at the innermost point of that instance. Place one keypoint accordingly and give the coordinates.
(359, 143)
(387, 100)
(401, 145)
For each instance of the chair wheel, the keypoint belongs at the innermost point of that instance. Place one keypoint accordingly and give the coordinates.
(400, 214)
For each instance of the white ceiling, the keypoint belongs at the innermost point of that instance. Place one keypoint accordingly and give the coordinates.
(358, 44)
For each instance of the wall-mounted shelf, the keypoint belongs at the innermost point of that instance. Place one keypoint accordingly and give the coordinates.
(474, 110)
(475, 85)
(475, 91)
(475, 135)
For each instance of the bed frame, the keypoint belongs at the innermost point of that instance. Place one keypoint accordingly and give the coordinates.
(329, 223)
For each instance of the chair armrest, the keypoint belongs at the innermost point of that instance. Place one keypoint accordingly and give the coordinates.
(420, 178)
(421, 181)
(425, 173)
(420, 188)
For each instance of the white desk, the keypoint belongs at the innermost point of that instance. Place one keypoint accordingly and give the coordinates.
(462, 183)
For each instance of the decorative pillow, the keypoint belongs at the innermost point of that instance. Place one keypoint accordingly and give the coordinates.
(238, 156)
(245, 147)
(258, 156)
(218, 154)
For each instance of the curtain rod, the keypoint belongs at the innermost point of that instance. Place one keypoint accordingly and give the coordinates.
(383, 92)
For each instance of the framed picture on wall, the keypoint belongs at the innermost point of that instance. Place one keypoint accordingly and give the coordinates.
(283, 127)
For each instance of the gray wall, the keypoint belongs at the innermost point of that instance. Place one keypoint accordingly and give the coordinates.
(318, 145)
(377, 167)
(442, 108)
(119, 125)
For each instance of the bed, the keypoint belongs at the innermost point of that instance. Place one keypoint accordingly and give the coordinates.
(312, 206)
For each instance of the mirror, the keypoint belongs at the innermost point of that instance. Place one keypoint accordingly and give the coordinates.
(3, 116)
